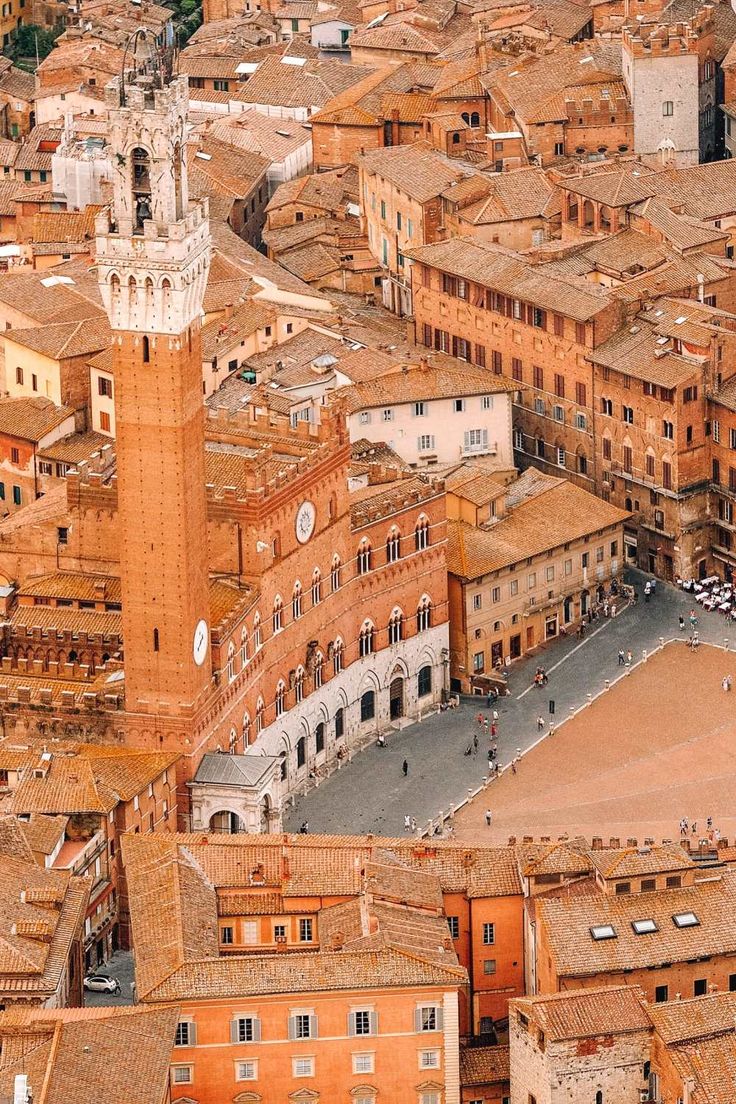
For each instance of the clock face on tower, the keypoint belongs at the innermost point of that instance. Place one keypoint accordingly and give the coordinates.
(306, 516)
(201, 640)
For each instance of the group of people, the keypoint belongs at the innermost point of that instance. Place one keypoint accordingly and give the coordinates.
(541, 678)
(713, 834)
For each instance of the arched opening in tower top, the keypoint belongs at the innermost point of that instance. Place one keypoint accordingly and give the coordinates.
(177, 183)
(141, 164)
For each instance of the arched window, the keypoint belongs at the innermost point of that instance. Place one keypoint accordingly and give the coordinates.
(246, 731)
(395, 626)
(319, 738)
(166, 284)
(466, 117)
(243, 647)
(280, 697)
(257, 634)
(368, 705)
(335, 573)
(141, 182)
(299, 685)
(278, 614)
(365, 640)
(232, 742)
(259, 716)
(316, 587)
(115, 282)
(421, 534)
(146, 350)
(424, 681)
(338, 655)
(155, 641)
(424, 614)
(231, 662)
(296, 601)
(393, 546)
(364, 556)
(319, 670)
(332, 507)
(301, 751)
(599, 1097)
(474, 119)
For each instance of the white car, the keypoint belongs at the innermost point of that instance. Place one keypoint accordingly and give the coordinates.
(101, 983)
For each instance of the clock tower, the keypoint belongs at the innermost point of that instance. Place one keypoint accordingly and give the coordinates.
(153, 255)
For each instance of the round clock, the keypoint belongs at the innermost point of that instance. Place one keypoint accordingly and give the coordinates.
(306, 516)
(201, 640)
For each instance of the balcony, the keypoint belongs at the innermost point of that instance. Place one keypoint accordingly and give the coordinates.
(489, 449)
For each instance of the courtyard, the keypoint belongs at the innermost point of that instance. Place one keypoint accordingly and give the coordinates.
(371, 794)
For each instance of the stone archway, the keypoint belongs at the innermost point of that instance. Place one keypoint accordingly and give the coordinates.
(225, 822)
(397, 697)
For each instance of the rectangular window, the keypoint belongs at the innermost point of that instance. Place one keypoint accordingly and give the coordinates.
(489, 934)
(559, 325)
(496, 594)
(302, 1067)
(668, 107)
(667, 475)
(17, 496)
(429, 1059)
(480, 356)
(15, 455)
(104, 421)
(186, 1034)
(104, 386)
(226, 935)
(302, 1025)
(516, 370)
(580, 394)
(716, 431)
(428, 1017)
(362, 1022)
(538, 375)
(388, 415)
(246, 1071)
(363, 1063)
(19, 377)
(425, 443)
(628, 459)
(661, 994)
(497, 362)
(478, 662)
(182, 1075)
(489, 965)
(420, 410)
(668, 431)
(305, 930)
(245, 1029)
(580, 333)
(700, 987)
(453, 922)
(559, 385)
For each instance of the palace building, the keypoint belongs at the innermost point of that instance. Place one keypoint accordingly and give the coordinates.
(208, 582)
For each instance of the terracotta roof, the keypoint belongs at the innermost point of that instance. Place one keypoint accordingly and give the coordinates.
(520, 194)
(92, 780)
(44, 832)
(575, 953)
(711, 1063)
(76, 447)
(484, 1065)
(222, 334)
(61, 340)
(559, 513)
(586, 1013)
(454, 378)
(69, 584)
(633, 862)
(13, 839)
(417, 170)
(31, 156)
(64, 226)
(685, 1021)
(553, 858)
(616, 189)
(272, 137)
(50, 906)
(328, 191)
(512, 275)
(309, 86)
(88, 1054)
(474, 483)
(226, 169)
(31, 418)
(58, 619)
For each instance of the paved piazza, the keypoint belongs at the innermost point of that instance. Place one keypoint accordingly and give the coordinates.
(655, 747)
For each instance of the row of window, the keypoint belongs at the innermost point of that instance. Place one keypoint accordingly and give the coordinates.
(627, 416)
(304, 1066)
(505, 305)
(364, 564)
(539, 448)
(532, 581)
(304, 1024)
(421, 409)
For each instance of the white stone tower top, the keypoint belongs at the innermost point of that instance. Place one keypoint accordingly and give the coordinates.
(153, 245)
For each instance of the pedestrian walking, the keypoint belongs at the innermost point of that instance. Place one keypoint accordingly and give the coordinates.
(724, 683)
(653, 586)
(683, 827)
(489, 817)
(709, 823)
(475, 744)
(695, 827)
(495, 715)
(681, 622)
(647, 591)
(494, 730)
(513, 766)
(485, 724)
(117, 988)
(605, 608)
(621, 657)
(479, 719)
(613, 609)
(304, 830)
(540, 723)
(405, 768)
(407, 823)
(693, 619)
(629, 658)
(413, 824)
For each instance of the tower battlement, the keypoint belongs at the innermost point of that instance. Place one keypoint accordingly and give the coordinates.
(660, 39)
